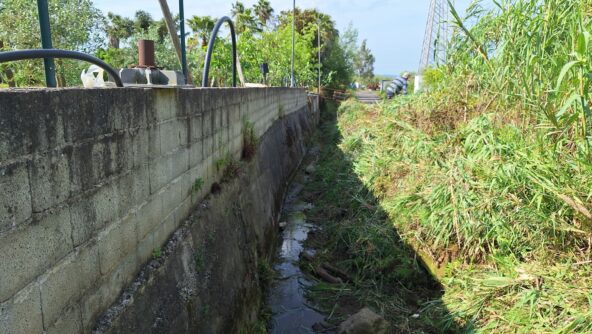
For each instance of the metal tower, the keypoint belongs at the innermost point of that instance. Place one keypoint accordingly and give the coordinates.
(437, 34)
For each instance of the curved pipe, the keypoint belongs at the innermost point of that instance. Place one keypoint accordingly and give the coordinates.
(206, 73)
(55, 53)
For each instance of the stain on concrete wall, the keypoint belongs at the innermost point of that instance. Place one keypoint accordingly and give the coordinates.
(93, 182)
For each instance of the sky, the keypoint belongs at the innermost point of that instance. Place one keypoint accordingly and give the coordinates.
(394, 29)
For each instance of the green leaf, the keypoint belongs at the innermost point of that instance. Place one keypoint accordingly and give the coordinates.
(564, 71)
(582, 45)
(574, 97)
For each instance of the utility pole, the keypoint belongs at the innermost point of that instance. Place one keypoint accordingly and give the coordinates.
(292, 81)
(50, 78)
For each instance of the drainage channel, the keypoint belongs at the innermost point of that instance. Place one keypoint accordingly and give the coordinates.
(292, 313)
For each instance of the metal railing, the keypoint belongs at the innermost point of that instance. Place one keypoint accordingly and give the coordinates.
(206, 72)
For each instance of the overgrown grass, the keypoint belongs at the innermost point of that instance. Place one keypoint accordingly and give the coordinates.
(358, 237)
(488, 177)
(497, 214)
(490, 173)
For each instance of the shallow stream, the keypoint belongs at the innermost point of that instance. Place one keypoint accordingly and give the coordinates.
(291, 311)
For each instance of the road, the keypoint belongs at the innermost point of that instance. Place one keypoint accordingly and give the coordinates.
(367, 97)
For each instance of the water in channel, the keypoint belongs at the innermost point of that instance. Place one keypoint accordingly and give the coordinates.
(292, 313)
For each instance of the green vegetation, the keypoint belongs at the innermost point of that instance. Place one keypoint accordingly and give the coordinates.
(200, 260)
(250, 141)
(266, 277)
(75, 26)
(157, 253)
(266, 273)
(487, 176)
(358, 238)
(229, 167)
(198, 185)
(263, 37)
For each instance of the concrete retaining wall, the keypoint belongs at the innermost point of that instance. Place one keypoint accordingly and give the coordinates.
(94, 182)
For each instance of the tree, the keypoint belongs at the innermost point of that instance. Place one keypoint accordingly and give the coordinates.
(274, 47)
(162, 29)
(349, 41)
(243, 18)
(337, 68)
(237, 8)
(202, 26)
(365, 62)
(118, 28)
(143, 21)
(310, 17)
(263, 11)
(75, 25)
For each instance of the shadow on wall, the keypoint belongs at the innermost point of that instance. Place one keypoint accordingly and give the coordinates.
(357, 236)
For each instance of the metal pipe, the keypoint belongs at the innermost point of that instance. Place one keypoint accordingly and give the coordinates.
(50, 77)
(54, 53)
(206, 73)
(146, 55)
(183, 47)
(292, 81)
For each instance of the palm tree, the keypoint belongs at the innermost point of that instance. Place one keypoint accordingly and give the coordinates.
(202, 26)
(118, 28)
(263, 11)
(143, 21)
(244, 18)
(237, 8)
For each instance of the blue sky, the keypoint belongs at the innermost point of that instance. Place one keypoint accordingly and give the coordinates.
(394, 28)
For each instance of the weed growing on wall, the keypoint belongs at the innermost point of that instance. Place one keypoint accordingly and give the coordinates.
(250, 141)
(198, 185)
(156, 253)
(229, 167)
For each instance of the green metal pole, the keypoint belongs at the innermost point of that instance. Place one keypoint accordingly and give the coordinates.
(183, 47)
(50, 78)
(319, 40)
(292, 79)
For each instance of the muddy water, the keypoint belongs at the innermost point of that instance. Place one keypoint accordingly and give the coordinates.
(291, 311)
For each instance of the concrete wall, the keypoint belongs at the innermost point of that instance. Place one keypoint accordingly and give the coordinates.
(208, 278)
(92, 182)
